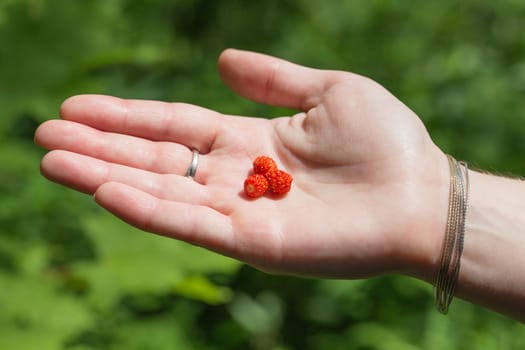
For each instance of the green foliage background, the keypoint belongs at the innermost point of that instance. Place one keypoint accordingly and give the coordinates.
(73, 277)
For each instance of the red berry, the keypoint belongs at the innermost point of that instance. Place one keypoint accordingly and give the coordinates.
(279, 182)
(263, 164)
(255, 185)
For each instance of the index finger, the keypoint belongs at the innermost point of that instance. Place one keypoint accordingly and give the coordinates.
(190, 125)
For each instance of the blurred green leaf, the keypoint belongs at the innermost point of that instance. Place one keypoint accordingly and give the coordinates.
(130, 261)
(200, 288)
(34, 315)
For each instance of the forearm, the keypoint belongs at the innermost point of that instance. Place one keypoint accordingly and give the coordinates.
(493, 264)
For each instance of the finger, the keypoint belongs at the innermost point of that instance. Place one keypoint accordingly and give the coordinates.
(189, 125)
(275, 81)
(199, 225)
(159, 157)
(86, 174)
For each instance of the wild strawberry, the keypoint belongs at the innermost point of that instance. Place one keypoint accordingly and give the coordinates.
(263, 164)
(279, 182)
(255, 185)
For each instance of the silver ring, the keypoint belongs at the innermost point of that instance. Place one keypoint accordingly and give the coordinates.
(192, 169)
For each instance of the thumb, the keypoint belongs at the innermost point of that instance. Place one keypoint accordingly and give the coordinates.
(274, 81)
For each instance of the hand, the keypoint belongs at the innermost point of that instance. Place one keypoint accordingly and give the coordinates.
(370, 187)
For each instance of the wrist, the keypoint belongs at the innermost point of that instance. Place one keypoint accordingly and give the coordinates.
(423, 251)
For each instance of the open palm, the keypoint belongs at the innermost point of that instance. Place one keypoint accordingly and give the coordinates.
(369, 188)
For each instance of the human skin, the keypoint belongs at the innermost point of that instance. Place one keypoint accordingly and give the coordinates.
(370, 190)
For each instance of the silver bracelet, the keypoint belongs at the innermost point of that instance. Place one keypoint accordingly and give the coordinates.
(450, 262)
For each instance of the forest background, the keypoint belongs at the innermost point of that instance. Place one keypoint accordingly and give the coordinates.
(73, 277)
